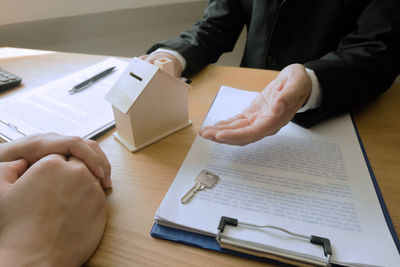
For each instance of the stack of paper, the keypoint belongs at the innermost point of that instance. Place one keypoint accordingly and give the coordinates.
(309, 181)
(50, 107)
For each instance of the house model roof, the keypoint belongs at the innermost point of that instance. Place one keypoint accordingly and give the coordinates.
(132, 82)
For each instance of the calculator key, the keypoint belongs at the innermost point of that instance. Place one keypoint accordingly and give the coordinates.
(8, 80)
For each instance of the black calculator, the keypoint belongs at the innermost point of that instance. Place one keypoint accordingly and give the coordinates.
(8, 80)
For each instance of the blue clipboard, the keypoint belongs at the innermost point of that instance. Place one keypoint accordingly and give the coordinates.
(197, 240)
(378, 191)
(208, 242)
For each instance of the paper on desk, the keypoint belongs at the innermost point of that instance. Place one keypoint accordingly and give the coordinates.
(10, 52)
(311, 182)
(50, 108)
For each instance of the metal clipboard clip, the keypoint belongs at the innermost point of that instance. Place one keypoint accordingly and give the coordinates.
(256, 249)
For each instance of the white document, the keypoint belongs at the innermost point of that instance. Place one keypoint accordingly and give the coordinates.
(50, 108)
(10, 52)
(309, 181)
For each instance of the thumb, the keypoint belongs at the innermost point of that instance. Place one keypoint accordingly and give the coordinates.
(295, 90)
(11, 171)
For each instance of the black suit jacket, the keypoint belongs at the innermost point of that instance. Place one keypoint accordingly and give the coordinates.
(352, 45)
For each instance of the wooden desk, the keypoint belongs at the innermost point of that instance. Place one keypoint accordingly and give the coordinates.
(140, 180)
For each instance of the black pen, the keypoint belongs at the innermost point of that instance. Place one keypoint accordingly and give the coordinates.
(90, 81)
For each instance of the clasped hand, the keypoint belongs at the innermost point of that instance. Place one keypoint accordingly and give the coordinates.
(35, 147)
(52, 205)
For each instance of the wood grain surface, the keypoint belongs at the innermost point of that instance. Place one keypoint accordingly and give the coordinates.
(141, 179)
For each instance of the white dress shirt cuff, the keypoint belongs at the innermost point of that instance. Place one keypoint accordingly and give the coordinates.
(314, 100)
(176, 54)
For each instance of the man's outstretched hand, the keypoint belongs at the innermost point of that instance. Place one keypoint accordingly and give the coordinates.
(272, 109)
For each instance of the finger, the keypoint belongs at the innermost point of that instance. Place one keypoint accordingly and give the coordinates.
(209, 134)
(277, 84)
(153, 57)
(77, 162)
(273, 89)
(290, 95)
(11, 171)
(240, 136)
(39, 146)
(159, 55)
(20, 166)
(205, 129)
(75, 146)
(261, 127)
(237, 124)
(270, 94)
(294, 93)
(81, 150)
(9, 174)
(228, 124)
(228, 121)
(105, 163)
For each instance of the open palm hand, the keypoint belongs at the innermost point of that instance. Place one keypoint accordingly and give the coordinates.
(272, 109)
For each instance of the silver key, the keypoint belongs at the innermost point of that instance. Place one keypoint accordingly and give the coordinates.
(205, 179)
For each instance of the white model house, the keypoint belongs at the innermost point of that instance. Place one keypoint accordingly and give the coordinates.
(149, 103)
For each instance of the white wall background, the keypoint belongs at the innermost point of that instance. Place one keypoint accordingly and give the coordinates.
(106, 27)
(15, 11)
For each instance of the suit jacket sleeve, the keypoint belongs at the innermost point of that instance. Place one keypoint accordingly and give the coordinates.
(364, 65)
(216, 33)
